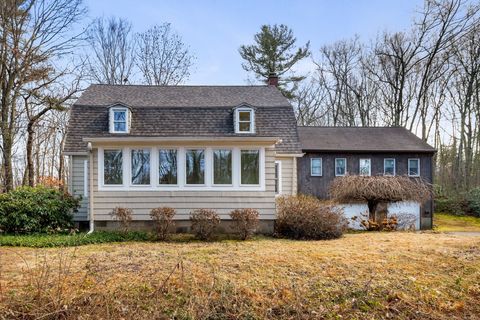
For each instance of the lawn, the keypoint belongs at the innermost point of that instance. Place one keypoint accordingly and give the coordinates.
(450, 223)
(360, 276)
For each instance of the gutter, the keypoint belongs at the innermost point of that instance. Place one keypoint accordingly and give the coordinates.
(90, 191)
(180, 139)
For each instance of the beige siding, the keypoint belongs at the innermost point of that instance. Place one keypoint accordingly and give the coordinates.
(289, 174)
(77, 186)
(141, 202)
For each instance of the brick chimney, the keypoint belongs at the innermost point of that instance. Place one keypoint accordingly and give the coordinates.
(272, 79)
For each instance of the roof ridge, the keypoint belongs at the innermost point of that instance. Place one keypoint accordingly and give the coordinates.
(181, 85)
(355, 127)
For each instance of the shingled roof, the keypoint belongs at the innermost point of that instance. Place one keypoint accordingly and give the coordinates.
(182, 111)
(359, 139)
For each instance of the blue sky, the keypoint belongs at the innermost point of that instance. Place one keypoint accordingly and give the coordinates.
(215, 29)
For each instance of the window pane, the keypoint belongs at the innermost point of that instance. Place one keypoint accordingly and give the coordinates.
(244, 126)
(222, 167)
(140, 166)
(250, 166)
(120, 126)
(364, 167)
(112, 167)
(167, 167)
(413, 167)
(389, 165)
(316, 167)
(119, 115)
(195, 166)
(244, 115)
(340, 167)
(277, 177)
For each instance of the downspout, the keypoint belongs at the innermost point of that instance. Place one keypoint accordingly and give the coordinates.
(90, 190)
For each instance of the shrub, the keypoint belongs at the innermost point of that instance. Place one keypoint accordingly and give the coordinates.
(473, 201)
(245, 222)
(204, 223)
(124, 216)
(37, 209)
(305, 217)
(456, 205)
(163, 220)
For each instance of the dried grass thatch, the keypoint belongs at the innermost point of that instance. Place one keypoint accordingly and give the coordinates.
(352, 188)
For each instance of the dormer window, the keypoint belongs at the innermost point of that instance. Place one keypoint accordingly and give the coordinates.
(119, 120)
(245, 120)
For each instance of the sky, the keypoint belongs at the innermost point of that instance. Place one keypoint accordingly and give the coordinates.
(214, 29)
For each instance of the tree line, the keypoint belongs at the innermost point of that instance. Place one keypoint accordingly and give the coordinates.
(425, 78)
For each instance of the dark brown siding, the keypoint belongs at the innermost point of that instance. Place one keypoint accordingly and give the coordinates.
(318, 186)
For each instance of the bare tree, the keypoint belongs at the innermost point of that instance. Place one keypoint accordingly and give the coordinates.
(113, 46)
(31, 33)
(162, 57)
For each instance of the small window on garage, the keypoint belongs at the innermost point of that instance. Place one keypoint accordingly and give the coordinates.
(316, 167)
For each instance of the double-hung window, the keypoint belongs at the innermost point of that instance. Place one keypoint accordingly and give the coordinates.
(250, 167)
(340, 167)
(414, 167)
(119, 120)
(316, 167)
(389, 167)
(365, 167)
(167, 166)
(245, 120)
(222, 166)
(195, 166)
(140, 166)
(113, 167)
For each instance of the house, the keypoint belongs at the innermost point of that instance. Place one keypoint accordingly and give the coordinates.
(185, 147)
(216, 147)
(330, 152)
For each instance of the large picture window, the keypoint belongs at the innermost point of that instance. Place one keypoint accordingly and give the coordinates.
(113, 167)
(250, 166)
(195, 166)
(167, 166)
(222, 167)
(141, 166)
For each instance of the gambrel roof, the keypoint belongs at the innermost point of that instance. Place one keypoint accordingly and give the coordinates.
(182, 111)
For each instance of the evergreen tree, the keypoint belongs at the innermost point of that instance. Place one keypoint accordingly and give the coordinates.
(274, 51)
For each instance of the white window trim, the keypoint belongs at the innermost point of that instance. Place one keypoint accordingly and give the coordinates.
(205, 172)
(157, 167)
(394, 167)
(252, 120)
(369, 167)
(335, 167)
(280, 191)
(213, 171)
(311, 167)
(181, 170)
(85, 178)
(131, 184)
(414, 175)
(111, 118)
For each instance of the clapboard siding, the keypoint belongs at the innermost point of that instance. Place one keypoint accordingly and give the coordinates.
(289, 175)
(141, 202)
(77, 186)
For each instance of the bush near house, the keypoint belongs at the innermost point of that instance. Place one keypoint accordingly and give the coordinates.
(124, 216)
(306, 217)
(245, 222)
(37, 209)
(204, 223)
(467, 203)
(163, 221)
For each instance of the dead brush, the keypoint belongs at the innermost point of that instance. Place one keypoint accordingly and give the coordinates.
(163, 221)
(124, 216)
(245, 222)
(204, 223)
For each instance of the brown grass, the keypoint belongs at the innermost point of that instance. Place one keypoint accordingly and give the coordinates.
(360, 276)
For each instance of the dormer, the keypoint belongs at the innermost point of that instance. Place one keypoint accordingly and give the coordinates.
(244, 118)
(119, 119)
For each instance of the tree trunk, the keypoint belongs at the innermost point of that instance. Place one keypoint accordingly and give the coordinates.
(30, 168)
